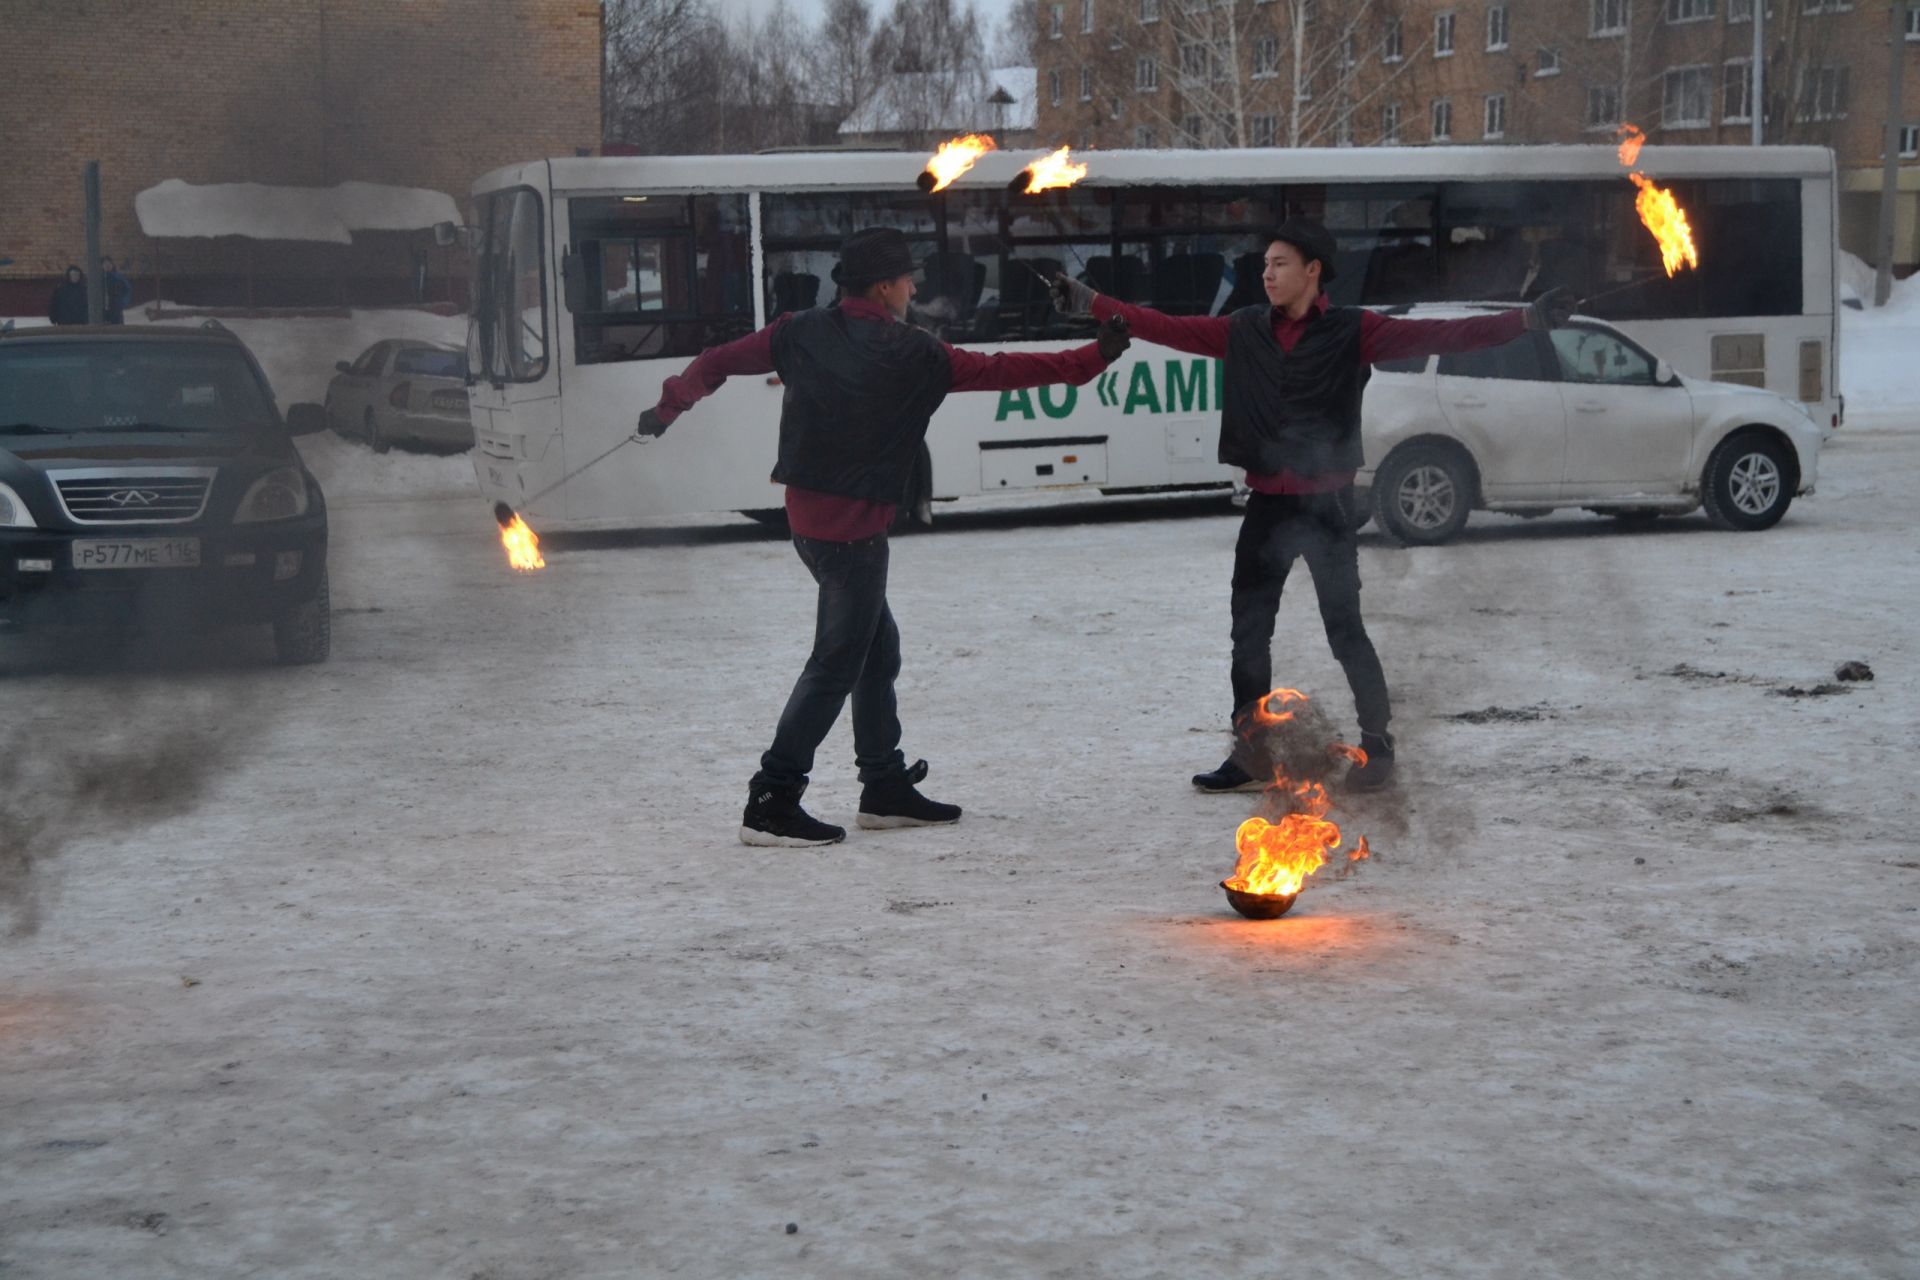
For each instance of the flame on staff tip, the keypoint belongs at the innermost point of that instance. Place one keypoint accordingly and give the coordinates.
(1659, 211)
(955, 157)
(1050, 172)
(522, 543)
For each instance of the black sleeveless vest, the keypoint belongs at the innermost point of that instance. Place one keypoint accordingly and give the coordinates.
(859, 393)
(1293, 410)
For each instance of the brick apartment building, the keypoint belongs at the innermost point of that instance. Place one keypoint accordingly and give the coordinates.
(1171, 73)
(300, 93)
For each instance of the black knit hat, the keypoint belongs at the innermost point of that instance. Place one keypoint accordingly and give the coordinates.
(1311, 239)
(872, 254)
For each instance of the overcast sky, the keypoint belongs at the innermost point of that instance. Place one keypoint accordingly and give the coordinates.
(994, 11)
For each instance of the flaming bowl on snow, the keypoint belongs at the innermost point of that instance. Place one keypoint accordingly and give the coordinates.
(1259, 906)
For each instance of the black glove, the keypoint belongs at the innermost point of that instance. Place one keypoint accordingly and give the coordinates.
(1113, 338)
(1070, 297)
(650, 425)
(1551, 309)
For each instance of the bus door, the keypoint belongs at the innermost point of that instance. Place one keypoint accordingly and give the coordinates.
(515, 394)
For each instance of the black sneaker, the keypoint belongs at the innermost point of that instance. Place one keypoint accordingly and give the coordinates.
(893, 802)
(774, 819)
(1228, 777)
(1377, 772)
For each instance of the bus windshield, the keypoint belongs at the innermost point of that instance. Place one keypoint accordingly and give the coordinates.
(507, 335)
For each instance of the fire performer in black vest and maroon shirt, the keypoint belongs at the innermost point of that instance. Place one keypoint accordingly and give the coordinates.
(860, 388)
(1290, 417)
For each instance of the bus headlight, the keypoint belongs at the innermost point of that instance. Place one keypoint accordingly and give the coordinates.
(13, 512)
(281, 494)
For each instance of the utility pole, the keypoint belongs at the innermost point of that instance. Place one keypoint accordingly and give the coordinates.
(1757, 101)
(1890, 158)
(1299, 51)
(96, 287)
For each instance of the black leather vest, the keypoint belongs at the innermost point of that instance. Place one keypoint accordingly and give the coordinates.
(859, 394)
(1295, 410)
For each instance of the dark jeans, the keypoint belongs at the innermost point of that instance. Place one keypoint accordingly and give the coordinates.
(1317, 528)
(856, 653)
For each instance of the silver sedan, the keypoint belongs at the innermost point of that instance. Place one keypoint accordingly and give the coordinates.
(402, 392)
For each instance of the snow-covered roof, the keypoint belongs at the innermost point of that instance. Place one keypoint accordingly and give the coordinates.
(895, 103)
(330, 214)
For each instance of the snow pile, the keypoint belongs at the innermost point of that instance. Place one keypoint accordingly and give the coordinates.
(1877, 373)
(329, 214)
(299, 353)
(348, 471)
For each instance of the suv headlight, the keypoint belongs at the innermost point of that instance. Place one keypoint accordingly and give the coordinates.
(13, 512)
(281, 494)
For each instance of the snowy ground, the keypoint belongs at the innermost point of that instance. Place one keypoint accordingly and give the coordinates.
(442, 960)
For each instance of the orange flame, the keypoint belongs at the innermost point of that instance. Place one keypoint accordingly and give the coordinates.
(523, 546)
(1056, 170)
(1659, 212)
(1278, 857)
(955, 157)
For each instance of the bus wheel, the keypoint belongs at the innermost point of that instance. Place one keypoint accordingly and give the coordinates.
(773, 517)
(1423, 493)
(1749, 482)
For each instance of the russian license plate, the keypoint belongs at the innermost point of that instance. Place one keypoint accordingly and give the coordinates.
(136, 553)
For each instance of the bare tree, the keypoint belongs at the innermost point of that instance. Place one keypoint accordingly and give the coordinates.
(842, 57)
(663, 60)
(1015, 38)
(934, 53)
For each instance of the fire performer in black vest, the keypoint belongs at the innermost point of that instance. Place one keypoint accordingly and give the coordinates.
(860, 388)
(1290, 417)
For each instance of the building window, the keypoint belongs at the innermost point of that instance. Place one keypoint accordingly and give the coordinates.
(1390, 47)
(1442, 119)
(1053, 86)
(1548, 64)
(1913, 22)
(1496, 122)
(1262, 130)
(1609, 17)
(1343, 128)
(1823, 93)
(1193, 129)
(1193, 63)
(1222, 67)
(1390, 125)
(1689, 10)
(1056, 18)
(1736, 91)
(1143, 136)
(1086, 84)
(1686, 101)
(1742, 10)
(1266, 57)
(1496, 27)
(1149, 10)
(1603, 106)
(1146, 74)
(1826, 6)
(1086, 16)
(1443, 34)
(1349, 48)
(1909, 141)
(1303, 92)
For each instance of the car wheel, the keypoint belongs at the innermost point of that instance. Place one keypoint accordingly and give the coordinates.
(304, 633)
(1422, 494)
(1747, 484)
(375, 441)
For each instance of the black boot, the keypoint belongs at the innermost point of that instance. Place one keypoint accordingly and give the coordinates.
(774, 819)
(1377, 772)
(1228, 777)
(892, 802)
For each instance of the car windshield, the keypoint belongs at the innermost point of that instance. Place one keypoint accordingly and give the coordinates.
(130, 386)
(426, 362)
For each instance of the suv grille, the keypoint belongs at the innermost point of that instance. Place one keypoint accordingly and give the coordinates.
(133, 495)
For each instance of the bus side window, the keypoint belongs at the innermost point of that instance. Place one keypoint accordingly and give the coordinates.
(664, 275)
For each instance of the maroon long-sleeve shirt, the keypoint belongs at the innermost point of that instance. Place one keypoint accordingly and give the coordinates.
(1381, 338)
(829, 516)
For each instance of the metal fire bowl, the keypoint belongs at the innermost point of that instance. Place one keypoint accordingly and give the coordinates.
(1259, 906)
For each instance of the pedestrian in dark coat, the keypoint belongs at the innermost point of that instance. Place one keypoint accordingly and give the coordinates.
(117, 291)
(69, 302)
(860, 389)
(1294, 370)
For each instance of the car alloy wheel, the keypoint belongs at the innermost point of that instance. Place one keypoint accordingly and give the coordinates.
(1426, 497)
(1754, 483)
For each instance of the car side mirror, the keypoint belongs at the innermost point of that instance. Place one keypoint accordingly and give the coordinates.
(445, 234)
(342, 366)
(573, 281)
(306, 419)
(1663, 373)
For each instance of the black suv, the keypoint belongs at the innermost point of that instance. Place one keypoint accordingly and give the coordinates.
(146, 476)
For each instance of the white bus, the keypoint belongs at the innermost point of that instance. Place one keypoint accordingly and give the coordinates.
(597, 278)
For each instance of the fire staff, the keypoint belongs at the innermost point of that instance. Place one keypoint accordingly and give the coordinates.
(1290, 417)
(860, 389)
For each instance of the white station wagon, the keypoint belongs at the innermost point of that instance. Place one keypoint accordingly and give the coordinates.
(1579, 417)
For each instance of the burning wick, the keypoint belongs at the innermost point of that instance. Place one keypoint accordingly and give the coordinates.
(522, 543)
(1659, 212)
(955, 157)
(1277, 858)
(1049, 172)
